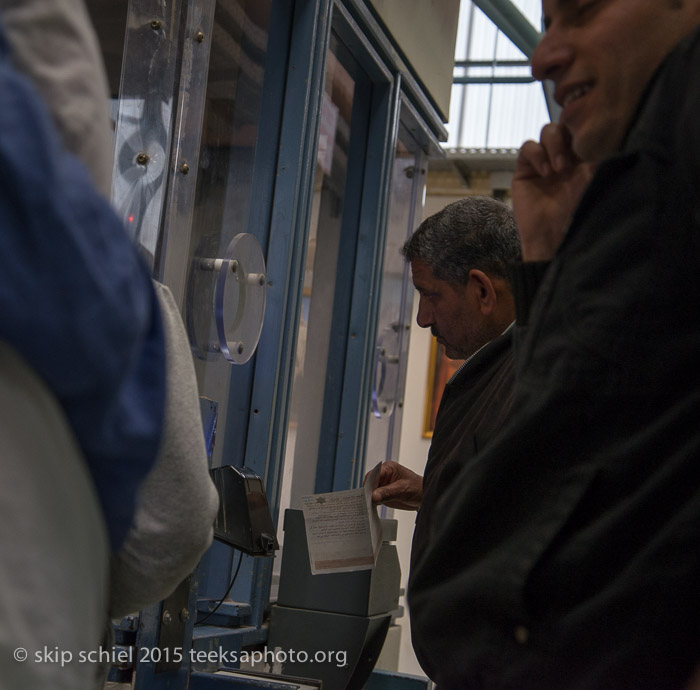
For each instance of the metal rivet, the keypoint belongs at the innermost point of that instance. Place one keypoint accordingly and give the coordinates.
(200, 37)
(142, 158)
(167, 618)
(185, 168)
(156, 24)
(184, 615)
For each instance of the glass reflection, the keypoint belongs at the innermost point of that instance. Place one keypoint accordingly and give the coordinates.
(393, 327)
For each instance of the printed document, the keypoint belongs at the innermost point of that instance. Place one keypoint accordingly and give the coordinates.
(343, 529)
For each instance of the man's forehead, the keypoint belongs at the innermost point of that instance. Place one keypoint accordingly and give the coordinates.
(424, 278)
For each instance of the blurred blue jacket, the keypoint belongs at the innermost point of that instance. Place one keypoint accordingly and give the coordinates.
(77, 302)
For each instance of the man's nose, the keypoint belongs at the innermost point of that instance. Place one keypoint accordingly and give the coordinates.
(553, 54)
(425, 317)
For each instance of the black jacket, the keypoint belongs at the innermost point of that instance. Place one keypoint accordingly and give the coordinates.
(473, 409)
(569, 552)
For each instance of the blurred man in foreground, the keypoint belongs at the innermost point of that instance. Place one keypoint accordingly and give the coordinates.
(568, 555)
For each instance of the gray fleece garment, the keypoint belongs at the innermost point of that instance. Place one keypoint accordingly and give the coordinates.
(178, 501)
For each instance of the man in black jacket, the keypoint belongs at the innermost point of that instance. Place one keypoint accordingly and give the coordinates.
(459, 258)
(569, 552)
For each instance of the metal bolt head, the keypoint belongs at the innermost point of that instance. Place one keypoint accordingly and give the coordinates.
(167, 618)
(200, 37)
(184, 615)
(185, 168)
(156, 24)
(142, 158)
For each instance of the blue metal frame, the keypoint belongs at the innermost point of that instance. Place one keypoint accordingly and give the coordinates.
(265, 410)
(282, 187)
(287, 210)
(348, 465)
(418, 128)
(342, 467)
(289, 222)
(364, 318)
(151, 621)
(217, 566)
(291, 211)
(340, 327)
(253, 580)
(370, 121)
(267, 413)
(259, 219)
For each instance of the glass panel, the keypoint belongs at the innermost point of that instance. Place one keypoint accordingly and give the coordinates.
(393, 326)
(144, 109)
(224, 178)
(323, 279)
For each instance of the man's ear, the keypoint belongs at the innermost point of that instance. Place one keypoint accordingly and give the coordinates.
(482, 290)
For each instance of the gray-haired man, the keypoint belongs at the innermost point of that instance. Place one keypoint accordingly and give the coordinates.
(458, 258)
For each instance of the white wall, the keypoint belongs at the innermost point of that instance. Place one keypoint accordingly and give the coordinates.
(426, 32)
(413, 454)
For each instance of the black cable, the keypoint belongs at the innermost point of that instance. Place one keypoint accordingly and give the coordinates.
(221, 601)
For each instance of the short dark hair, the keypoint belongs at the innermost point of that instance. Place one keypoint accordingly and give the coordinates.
(474, 232)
